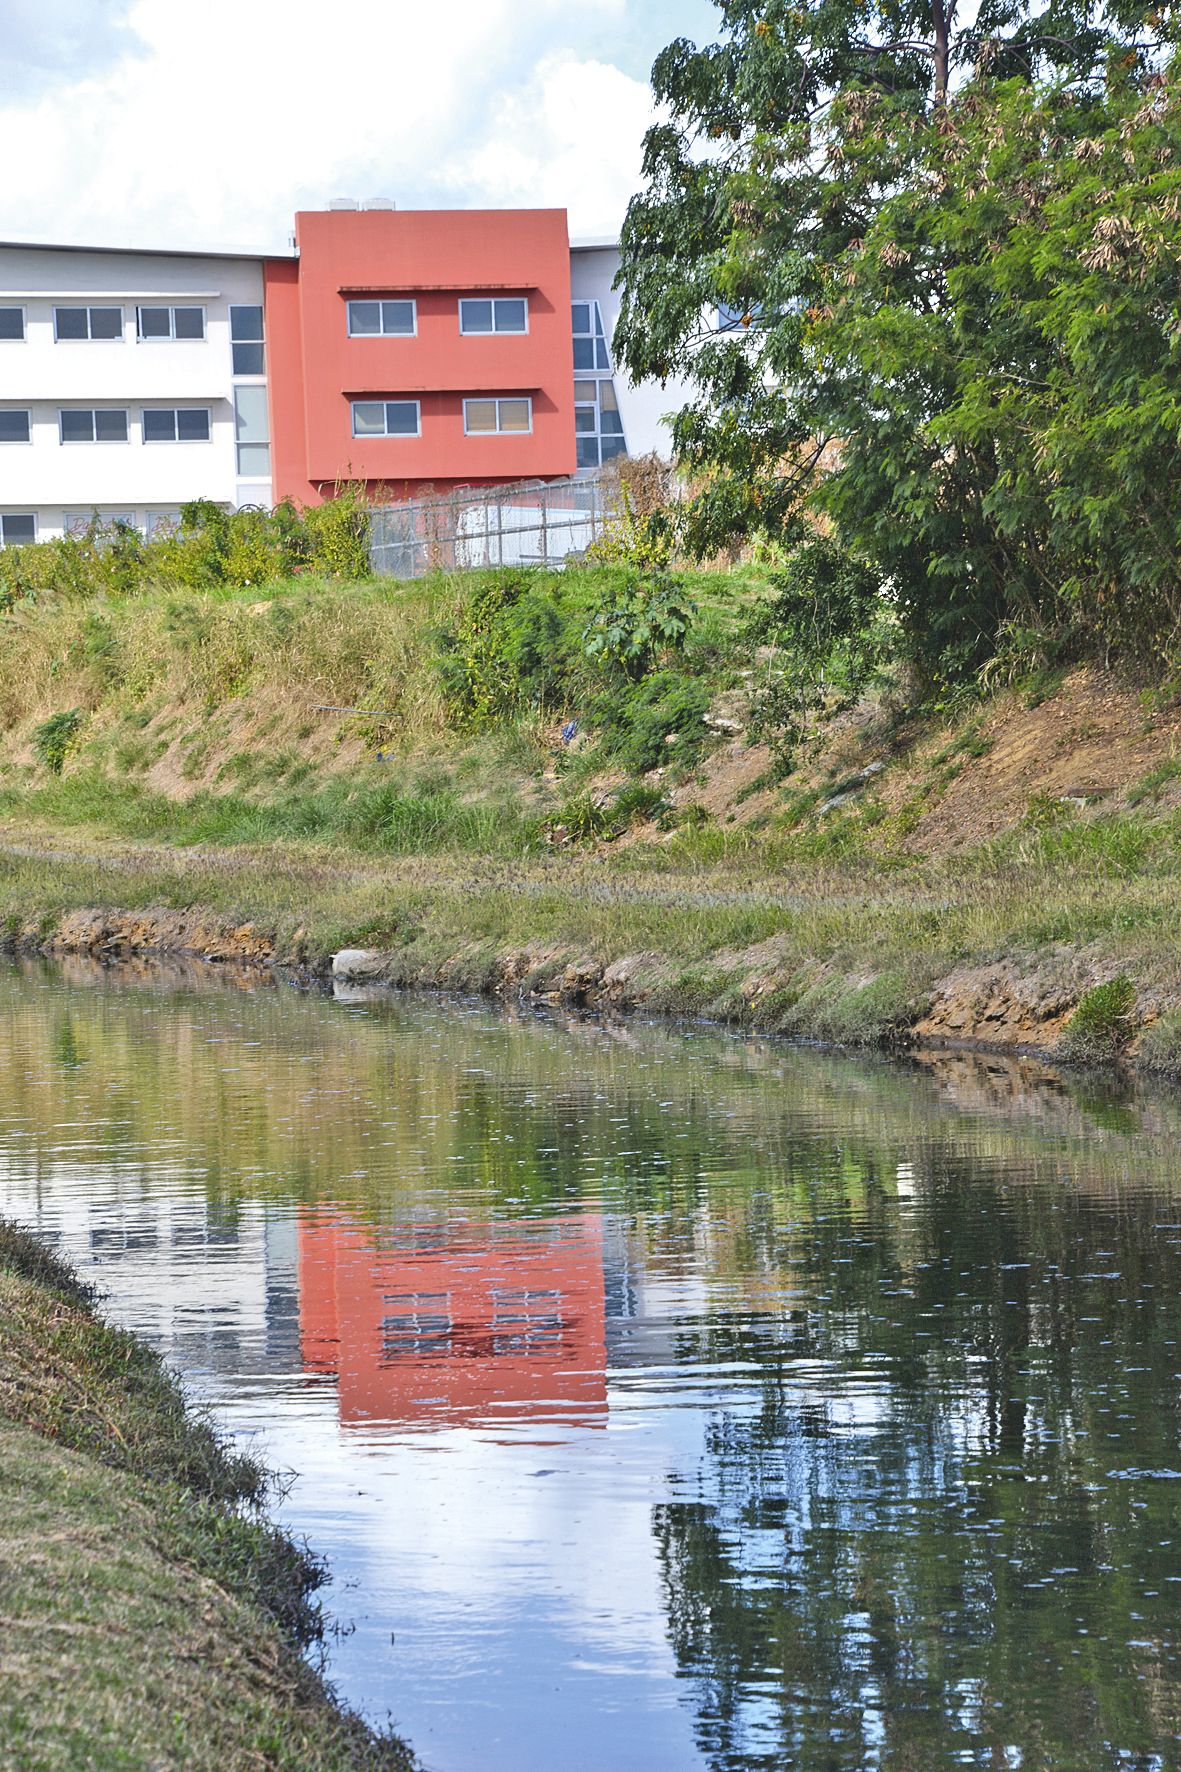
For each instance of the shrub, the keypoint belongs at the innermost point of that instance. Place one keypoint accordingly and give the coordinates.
(54, 738)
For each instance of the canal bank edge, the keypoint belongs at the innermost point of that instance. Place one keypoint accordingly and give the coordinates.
(152, 1615)
(1073, 1005)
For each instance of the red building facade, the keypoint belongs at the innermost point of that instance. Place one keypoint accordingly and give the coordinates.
(420, 350)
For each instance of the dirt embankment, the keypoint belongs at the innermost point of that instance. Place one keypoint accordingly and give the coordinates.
(1003, 1007)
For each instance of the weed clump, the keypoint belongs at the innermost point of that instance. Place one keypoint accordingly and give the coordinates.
(1101, 1025)
(54, 738)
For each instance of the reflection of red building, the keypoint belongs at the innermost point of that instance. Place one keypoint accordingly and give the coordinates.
(456, 1322)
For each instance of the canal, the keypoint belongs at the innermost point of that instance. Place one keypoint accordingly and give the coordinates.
(662, 1402)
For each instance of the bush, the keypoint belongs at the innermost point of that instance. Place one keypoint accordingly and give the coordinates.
(55, 737)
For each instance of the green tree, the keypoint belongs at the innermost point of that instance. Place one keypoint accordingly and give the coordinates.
(944, 255)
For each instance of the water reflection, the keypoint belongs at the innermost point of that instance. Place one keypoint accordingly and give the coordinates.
(673, 1402)
(456, 1323)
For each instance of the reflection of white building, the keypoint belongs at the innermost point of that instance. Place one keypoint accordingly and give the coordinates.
(212, 1290)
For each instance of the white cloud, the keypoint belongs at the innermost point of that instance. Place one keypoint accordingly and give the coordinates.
(214, 127)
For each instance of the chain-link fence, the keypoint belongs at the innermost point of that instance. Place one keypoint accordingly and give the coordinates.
(539, 523)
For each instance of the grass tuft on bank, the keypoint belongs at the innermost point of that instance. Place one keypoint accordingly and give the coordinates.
(152, 1615)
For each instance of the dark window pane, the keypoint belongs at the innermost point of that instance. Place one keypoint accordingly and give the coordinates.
(106, 323)
(189, 322)
(612, 424)
(77, 427)
(397, 317)
(401, 418)
(193, 426)
(245, 323)
(580, 313)
(12, 323)
(475, 316)
(16, 530)
(584, 419)
(602, 360)
(584, 353)
(14, 427)
(510, 316)
(364, 319)
(159, 427)
(248, 359)
(110, 427)
(613, 446)
(588, 452)
(155, 323)
(70, 322)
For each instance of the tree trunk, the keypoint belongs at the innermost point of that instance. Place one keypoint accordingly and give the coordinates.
(941, 23)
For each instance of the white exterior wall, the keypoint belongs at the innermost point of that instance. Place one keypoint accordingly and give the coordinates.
(643, 405)
(50, 478)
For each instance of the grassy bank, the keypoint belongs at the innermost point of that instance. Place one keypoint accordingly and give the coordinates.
(384, 766)
(151, 1616)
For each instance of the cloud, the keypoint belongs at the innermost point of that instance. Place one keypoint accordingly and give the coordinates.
(43, 44)
(211, 131)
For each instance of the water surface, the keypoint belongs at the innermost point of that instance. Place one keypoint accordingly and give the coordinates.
(660, 1401)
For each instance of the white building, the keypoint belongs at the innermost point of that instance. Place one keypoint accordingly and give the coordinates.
(130, 383)
(613, 416)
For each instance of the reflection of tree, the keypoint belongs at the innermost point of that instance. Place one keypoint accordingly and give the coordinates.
(913, 1549)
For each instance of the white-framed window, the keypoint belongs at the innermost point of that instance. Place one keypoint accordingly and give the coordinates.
(252, 433)
(488, 418)
(598, 423)
(12, 324)
(90, 323)
(382, 319)
(387, 418)
(590, 341)
(17, 528)
(93, 424)
(162, 523)
(176, 424)
(494, 314)
(169, 323)
(247, 351)
(14, 425)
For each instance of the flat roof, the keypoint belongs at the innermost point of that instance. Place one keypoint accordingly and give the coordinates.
(144, 251)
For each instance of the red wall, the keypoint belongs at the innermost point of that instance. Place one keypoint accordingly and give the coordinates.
(345, 1288)
(436, 256)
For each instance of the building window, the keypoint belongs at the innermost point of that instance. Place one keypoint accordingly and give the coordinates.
(93, 323)
(386, 418)
(590, 342)
(509, 314)
(163, 523)
(484, 418)
(525, 1322)
(17, 528)
(382, 319)
(14, 426)
(176, 424)
(98, 424)
(252, 432)
(170, 323)
(598, 424)
(12, 323)
(246, 346)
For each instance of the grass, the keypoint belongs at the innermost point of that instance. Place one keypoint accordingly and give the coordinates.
(151, 1615)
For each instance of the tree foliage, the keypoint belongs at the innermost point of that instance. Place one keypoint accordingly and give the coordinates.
(946, 259)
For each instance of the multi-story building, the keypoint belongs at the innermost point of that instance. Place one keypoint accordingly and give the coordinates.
(126, 382)
(410, 350)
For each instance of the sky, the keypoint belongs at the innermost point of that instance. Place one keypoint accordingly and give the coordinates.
(148, 123)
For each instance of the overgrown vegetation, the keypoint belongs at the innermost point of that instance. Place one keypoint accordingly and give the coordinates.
(208, 548)
(152, 1615)
(943, 247)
